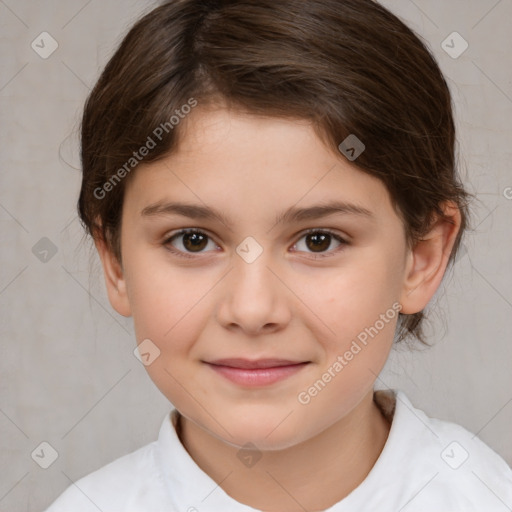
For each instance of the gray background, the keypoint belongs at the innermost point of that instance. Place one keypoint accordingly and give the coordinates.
(68, 373)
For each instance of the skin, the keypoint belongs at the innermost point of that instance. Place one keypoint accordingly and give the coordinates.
(284, 304)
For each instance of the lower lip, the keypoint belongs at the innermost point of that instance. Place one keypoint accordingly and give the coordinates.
(257, 376)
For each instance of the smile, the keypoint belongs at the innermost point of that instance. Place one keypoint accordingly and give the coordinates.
(256, 373)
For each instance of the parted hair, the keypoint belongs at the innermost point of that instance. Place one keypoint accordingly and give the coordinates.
(348, 66)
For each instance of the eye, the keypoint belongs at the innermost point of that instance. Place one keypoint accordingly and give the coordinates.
(193, 241)
(319, 240)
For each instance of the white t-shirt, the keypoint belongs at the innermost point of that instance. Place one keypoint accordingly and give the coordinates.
(427, 465)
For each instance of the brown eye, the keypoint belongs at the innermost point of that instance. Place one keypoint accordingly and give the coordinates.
(188, 241)
(319, 241)
(194, 241)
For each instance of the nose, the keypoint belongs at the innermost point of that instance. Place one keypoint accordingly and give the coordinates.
(254, 297)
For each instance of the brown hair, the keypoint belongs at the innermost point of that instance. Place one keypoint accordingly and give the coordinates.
(348, 66)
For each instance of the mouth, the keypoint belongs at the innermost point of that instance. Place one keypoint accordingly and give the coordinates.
(255, 364)
(256, 373)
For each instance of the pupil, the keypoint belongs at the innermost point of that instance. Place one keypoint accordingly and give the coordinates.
(321, 238)
(196, 239)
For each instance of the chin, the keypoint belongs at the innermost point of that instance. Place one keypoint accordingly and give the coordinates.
(262, 441)
(265, 431)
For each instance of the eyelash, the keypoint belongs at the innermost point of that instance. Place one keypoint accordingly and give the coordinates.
(166, 243)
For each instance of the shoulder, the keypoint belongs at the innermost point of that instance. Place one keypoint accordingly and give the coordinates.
(124, 484)
(455, 467)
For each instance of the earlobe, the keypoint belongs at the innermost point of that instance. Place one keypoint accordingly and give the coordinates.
(427, 261)
(114, 279)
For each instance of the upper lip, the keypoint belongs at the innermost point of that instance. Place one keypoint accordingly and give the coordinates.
(253, 364)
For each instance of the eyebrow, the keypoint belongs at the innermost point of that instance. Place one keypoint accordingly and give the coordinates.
(292, 214)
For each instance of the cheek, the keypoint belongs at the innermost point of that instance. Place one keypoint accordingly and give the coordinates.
(361, 310)
(166, 304)
(169, 308)
(348, 301)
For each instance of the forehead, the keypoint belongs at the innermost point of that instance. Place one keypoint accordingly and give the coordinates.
(254, 164)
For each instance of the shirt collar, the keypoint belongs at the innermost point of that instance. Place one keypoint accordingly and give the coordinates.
(192, 490)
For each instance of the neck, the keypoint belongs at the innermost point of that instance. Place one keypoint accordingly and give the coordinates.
(311, 475)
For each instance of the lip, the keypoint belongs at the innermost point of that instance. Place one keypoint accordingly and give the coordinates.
(252, 364)
(254, 373)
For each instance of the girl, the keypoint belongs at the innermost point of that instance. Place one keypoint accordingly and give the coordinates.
(271, 188)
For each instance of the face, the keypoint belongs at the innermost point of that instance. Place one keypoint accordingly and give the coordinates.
(277, 275)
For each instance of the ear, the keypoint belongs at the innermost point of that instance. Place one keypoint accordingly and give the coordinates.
(114, 278)
(427, 261)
